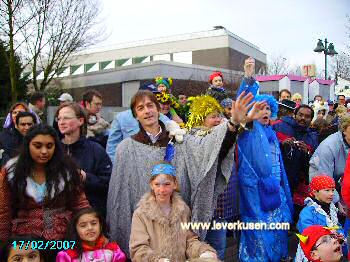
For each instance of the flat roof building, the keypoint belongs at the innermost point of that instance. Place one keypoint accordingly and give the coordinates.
(117, 71)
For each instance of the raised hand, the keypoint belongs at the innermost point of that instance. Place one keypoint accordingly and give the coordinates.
(256, 112)
(241, 106)
(249, 67)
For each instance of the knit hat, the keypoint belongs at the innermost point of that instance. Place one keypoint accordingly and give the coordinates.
(168, 82)
(215, 74)
(200, 107)
(227, 102)
(321, 182)
(309, 238)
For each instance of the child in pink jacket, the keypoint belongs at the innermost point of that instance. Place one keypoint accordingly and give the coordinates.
(91, 245)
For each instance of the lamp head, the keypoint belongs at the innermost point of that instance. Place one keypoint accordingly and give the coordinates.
(320, 47)
(331, 50)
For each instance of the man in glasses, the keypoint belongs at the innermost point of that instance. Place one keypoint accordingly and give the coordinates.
(321, 244)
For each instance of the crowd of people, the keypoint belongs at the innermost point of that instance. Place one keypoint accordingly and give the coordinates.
(127, 190)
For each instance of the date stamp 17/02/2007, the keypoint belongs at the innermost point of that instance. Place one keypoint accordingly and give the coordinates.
(43, 244)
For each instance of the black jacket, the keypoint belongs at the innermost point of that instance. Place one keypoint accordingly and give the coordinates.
(93, 159)
(10, 141)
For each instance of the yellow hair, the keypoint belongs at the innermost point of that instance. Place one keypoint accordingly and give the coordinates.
(200, 108)
(296, 96)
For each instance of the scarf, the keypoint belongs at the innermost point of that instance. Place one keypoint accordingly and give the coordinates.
(100, 244)
(326, 207)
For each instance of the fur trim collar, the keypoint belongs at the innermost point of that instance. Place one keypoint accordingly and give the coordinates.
(31, 189)
(332, 219)
(150, 208)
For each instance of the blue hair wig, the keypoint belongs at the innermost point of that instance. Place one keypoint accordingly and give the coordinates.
(271, 101)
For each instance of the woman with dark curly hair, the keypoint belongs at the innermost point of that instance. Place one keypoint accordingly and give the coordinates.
(40, 189)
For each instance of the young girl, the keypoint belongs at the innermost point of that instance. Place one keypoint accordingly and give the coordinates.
(87, 230)
(156, 232)
(40, 189)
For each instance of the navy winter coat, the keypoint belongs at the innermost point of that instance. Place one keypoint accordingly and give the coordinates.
(93, 159)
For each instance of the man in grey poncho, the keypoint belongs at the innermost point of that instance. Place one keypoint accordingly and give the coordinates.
(203, 164)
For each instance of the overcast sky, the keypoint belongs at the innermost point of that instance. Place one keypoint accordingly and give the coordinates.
(289, 28)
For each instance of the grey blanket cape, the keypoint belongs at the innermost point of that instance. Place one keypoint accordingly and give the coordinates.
(196, 162)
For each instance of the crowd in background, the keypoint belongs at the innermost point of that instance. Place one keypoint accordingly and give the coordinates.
(122, 190)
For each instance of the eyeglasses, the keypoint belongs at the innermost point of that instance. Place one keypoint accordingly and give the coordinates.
(327, 239)
(65, 118)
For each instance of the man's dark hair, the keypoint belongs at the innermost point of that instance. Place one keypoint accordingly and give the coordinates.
(304, 106)
(284, 90)
(89, 95)
(25, 114)
(139, 96)
(36, 96)
(340, 96)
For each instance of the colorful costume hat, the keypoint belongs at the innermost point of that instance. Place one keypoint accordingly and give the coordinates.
(310, 236)
(321, 182)
(200, 107)
(166, 98)
(168, 82)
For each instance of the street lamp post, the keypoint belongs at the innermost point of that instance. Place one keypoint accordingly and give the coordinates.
(327, 50)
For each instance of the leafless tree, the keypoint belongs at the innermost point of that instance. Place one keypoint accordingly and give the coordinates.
(47, 32)
(277, 65)
(14, 16)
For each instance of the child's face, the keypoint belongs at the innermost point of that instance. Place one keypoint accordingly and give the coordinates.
(217, 81)
(328, 249)
(89, 228)
(324, 195)
(163, 187)
(161, 88)
(265, 118)
(24, 255)
(165, 108)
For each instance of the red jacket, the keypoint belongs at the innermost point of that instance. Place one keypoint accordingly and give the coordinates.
(345, 188)
(47, 220)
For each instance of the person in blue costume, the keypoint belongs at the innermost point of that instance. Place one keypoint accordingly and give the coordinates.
(264, 191)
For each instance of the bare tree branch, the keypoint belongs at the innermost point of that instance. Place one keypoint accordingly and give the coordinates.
(277, 65)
